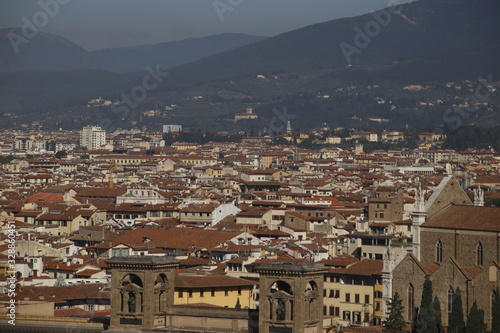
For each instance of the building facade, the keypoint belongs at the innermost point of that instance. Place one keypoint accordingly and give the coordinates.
(92, 137)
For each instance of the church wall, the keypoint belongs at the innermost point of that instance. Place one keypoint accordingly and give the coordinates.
(460, 244)
(448, 275)
(483, 286)
(405, 274)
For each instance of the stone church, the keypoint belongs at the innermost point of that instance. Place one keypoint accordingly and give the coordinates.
(455, 244)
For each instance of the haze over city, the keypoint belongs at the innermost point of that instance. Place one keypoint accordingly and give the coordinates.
(96, 24)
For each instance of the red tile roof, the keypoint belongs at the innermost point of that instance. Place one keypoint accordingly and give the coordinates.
(365, 267)
(466, 218)
(212, 280)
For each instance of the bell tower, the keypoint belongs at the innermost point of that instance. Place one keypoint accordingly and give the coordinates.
(142, 290)
(418, 218)
(291, 297)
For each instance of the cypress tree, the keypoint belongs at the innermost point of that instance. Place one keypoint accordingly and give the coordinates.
(495, 323)
(475, 321)
(437, 312)
(426, 320)
(395, 321)
(426, 294)
(414, 319)
(456, 322)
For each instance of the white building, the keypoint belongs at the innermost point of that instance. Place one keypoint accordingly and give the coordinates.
(92, 137)
(172, 128)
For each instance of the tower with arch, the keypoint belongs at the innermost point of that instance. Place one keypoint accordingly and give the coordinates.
(291, 297)
(142, 291)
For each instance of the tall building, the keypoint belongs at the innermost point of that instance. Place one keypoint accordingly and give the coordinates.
(92, 137)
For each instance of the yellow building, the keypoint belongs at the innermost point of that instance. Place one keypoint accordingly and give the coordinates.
(220, 290)
(431, 137)
(185, 145)
(267, 158)
(353, 291)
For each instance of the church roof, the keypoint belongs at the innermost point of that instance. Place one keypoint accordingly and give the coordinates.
(466, 218)
(427, 269)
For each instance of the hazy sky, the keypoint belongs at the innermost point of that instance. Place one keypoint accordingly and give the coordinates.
(98, 24)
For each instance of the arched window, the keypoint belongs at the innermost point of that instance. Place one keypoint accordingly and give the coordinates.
(480, 254)
(411, 303)
(439, 251)
(450, 298)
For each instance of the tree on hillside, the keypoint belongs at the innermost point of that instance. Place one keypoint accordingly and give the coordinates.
(495, 325)
(475, 320)
(395, 321)
(456, 322)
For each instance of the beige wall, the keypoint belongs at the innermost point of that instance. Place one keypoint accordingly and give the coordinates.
(219, 297)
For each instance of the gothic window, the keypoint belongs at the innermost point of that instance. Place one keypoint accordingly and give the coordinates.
(480, 254)
(439, 251)
(411, 302)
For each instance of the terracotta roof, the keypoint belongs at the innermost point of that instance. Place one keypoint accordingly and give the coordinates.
(365, 267)
(176, 238)
(100, 192)
(340, 261)
(69, 312)
(427, 269)
(42, 196)
(466, 218)
(212, 280)
(253, 212)
(60, 294)
(469, 272)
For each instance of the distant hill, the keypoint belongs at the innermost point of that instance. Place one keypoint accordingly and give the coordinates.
(171, 54)
(426, 43)
(50, 52)
(44, 51)
(429, 38)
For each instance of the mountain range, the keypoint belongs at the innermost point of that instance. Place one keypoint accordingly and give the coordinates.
(344, 72)
(49, 52)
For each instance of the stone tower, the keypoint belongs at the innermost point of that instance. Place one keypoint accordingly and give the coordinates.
(418, 218)
(291, 297)
(142, 289)
(387, 280)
